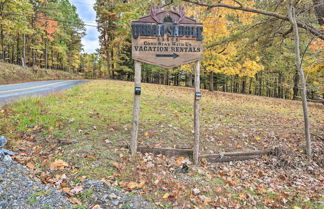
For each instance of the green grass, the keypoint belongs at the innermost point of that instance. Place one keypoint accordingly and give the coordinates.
(89, 115)
(101, 110)
(85, 195)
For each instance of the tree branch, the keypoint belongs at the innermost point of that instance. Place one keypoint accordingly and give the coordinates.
(239, 3)
(235, 36)
(309, 28)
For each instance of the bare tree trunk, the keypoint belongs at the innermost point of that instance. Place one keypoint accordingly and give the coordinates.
(225, 84)
(236, 84)
(260, 84)
(23, 59)
(166, 77)
(280, 87)
(211, 81)
(112, 64)
(46, 53)
(250, 85)
(243, 85)
(13, 54)
(216, 83)
(2, 44)
(204, 79)
(232, 83)
(189, 79)
(295, 88)
(292, 18)
(268, 94)
(17, 58)
(160, 78)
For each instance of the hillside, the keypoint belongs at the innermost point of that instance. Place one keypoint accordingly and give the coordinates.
(80, 133)
(10, 73)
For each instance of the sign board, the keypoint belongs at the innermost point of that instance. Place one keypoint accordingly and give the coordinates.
(166, 38)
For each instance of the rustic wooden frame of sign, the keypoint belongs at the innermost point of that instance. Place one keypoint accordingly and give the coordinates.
(178, 15)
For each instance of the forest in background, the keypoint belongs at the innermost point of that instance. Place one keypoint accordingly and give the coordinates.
(244, 52)
(41, 33)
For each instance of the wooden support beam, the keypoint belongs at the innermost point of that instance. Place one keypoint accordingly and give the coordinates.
(136, 108)
(212, 158)
(196, 114)
(229, 159)
(248, 153)
(169, 152)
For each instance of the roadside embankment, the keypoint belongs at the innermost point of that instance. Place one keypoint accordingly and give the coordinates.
(10, 73)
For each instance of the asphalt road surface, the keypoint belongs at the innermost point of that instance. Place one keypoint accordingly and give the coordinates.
(11, 92)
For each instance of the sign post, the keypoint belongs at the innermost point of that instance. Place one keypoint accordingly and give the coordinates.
(196, 113)
(136, 108)
(166, 38)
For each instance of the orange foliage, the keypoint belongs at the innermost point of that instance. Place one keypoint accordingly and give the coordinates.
(317, 45)
(50, 26)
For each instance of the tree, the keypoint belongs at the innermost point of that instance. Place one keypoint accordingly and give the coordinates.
(295, 24)
(292, 18)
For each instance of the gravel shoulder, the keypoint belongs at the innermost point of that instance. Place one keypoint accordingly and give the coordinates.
(20, 190)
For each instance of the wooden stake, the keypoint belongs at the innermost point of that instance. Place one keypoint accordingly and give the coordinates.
(136, 109)
(196, 114)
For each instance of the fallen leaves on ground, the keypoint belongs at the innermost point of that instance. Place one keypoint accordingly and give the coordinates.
(59, 164)
(287, 179)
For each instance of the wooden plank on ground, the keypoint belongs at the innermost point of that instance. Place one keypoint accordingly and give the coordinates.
(169, 152)
(213, 158)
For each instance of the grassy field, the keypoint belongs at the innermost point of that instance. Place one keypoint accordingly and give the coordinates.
(10, 73)
(86, 127)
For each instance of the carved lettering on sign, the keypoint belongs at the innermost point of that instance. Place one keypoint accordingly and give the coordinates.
(166, 38)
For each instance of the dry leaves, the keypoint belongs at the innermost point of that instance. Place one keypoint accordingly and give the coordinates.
(59, 164)
(134, 185)
(30, 165)
(116, 165)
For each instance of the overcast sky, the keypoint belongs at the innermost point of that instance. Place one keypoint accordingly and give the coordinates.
(87, 14)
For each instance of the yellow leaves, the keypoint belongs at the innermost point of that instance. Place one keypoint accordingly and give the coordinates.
(242, 196)
(59, 165)
(250, 68)
(187, 67)
(257, 138)
(166, 195)
(314, 67)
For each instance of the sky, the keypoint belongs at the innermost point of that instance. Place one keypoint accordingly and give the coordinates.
(88, 15)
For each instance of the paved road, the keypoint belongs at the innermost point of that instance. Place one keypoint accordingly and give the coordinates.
(12, 92)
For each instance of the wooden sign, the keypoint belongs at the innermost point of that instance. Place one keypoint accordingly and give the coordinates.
(166, 38)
